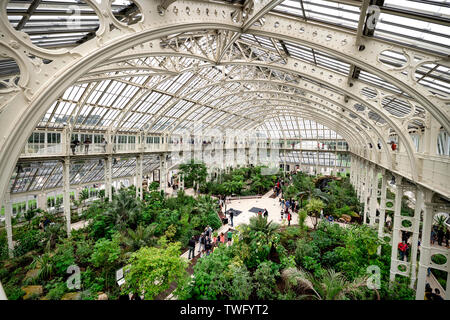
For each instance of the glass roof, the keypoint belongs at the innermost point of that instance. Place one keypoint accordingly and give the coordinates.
(36, 176)
(171, 93)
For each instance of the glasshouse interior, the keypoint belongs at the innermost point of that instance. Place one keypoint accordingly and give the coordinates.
(224, 150)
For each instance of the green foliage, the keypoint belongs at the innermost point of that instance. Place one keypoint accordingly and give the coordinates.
(142, 236)
(63, 257)
(313, 209)
(265, 279)
(56, 289)
(45, 265)
(106, 252)
(213, 275)
(152, 270)
(194, 172)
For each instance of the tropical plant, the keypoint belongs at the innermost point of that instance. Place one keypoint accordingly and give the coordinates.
(313, 209)
(45, 266)
(333, 286)
(151, 270)
(194, 172)
(142, 236)
(124, 211)
(264, 280)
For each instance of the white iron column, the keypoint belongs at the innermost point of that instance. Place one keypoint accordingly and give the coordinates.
(425, 246)
(415, 234)
(382, 217)
(396, 229)
(139, 173)
(66, 196)
(365, 192)
(8, 224)
(108, 177)
(162, 172)
(373, 196)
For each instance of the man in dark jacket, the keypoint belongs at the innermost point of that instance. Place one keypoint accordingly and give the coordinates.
(191, 246)
(231, 216)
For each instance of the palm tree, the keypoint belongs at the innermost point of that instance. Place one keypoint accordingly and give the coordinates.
(141, 237)
(260, 223)
(439, 222)
(333, 286)
(124, 210)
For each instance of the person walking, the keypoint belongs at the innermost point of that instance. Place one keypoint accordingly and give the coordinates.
(201, 242)
(74, 143)
(191, 246)
(289, 217)
(86, 143)
(266, 213)
(433, 236)
(231, 214)
(402, 250)
(208, 246)
(104, 144)
(230, 237)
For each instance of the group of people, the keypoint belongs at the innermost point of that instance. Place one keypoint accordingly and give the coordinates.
(264, 213)
(437, 234)
(87, 142)
(287, 208)
(208, 242)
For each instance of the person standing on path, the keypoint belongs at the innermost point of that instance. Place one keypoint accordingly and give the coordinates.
(230, 237)
(231, 216)
(201, 242)
(191, 246)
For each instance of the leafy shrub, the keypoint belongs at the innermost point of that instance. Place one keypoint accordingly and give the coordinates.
(264, 280)
(56, 290)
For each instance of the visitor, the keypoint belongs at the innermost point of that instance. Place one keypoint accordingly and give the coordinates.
(201, 242)
(191, 246)
(437, 294)
(432, 236)
(402, 249)
(208, 231)
(104, 143)
(447, 238)
(440, 236)
(393, 146)
(86, 143)
(231, 214)
(289, 217)
(428, 292)
(208, 246)
(266, 213)
(46, 222)
(74, 143)
(222, 237)
(230, 237)
(282, 203)
(330, 218)
(259, 213)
